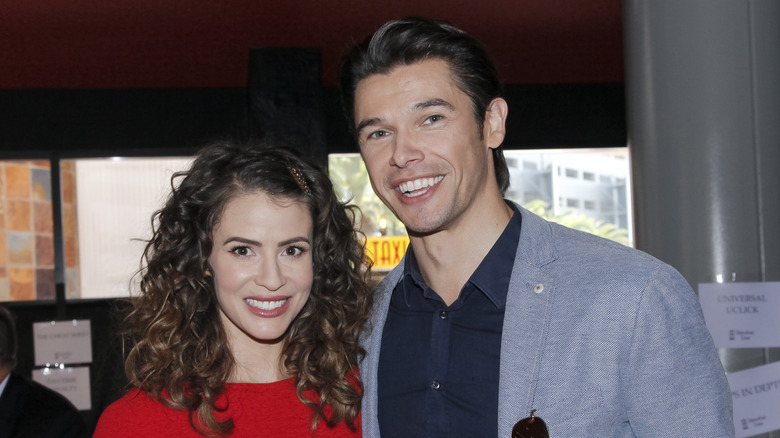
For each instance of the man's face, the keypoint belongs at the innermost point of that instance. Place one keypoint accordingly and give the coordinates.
(422, 145)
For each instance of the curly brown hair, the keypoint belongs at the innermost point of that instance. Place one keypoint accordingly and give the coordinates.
(181, 355)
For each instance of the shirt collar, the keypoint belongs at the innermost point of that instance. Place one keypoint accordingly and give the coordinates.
(494, 272)
(4, 384)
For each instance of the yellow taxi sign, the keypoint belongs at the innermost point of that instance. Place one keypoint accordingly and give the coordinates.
(386, 252)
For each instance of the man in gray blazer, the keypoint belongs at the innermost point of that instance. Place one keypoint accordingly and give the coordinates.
(496, 316)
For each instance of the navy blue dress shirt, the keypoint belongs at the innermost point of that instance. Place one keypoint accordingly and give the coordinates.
(439, 364)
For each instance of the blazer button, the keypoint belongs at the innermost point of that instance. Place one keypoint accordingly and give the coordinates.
(539, 288)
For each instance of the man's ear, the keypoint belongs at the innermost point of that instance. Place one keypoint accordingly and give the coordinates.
(495, 122)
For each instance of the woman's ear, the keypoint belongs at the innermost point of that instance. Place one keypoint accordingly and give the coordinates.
(494, 129)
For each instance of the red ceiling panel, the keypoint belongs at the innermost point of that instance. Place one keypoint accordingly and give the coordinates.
(200, 43)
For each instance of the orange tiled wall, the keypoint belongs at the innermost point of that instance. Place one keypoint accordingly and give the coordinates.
(26, 231)
(70, 225)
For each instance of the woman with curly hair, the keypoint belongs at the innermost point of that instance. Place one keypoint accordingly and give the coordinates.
(253, 296)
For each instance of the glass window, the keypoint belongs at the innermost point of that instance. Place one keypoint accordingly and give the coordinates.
(107, 210)
(527, 165)
(537, 177)
(386, 235)
(559, 194)
(26, 231)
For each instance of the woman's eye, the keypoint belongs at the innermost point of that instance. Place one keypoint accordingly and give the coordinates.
(242, 251)
(294, 251)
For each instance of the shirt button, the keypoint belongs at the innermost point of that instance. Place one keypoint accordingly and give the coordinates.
(435, 385)
(443, 314)
(539, 288)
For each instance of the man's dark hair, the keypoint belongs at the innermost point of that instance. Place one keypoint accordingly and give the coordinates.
(411, 40)
(7, 339)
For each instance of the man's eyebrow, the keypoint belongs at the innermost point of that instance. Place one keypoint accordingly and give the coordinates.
(432, 102)
(367, 122)
(415, 107)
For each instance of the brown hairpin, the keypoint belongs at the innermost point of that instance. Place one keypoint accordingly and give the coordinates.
(298, 175)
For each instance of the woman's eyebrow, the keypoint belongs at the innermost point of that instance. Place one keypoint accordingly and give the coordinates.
(241, 240)
(295, 240)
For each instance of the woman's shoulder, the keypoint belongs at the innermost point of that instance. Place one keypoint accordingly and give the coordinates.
(133, 401)
(138, 414)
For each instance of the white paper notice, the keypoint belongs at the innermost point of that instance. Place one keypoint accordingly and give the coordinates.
(756, 394)
(742, 315)
(62, 342)
(71, 382)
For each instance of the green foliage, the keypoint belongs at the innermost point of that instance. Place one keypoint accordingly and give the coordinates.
(350, 179)
(580, 222)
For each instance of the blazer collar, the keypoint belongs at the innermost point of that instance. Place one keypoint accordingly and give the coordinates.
(526, 321)
(537, 247)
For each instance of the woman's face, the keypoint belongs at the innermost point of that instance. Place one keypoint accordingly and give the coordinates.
(261, 262)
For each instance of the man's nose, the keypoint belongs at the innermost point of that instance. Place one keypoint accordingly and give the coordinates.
(405, 149)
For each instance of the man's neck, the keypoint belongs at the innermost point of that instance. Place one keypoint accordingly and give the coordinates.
(448, 257)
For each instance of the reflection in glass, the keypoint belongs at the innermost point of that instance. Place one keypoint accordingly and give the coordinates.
(585, 189)
(26, 231)
(106, 225)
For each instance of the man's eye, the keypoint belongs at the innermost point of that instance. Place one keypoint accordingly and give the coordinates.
(377, 134)
(433, 118)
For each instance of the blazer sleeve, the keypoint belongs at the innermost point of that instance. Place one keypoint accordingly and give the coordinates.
(676, 385)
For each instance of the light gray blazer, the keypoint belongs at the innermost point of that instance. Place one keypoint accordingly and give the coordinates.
(601, 339)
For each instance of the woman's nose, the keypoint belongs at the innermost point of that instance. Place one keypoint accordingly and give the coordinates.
(270, 275)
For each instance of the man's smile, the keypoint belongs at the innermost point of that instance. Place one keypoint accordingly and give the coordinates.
(414, 187)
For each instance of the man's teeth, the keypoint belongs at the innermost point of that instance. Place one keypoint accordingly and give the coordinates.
(265, 305)
(417, 184)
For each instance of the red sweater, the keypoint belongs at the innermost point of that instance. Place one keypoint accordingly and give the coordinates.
(257, 409)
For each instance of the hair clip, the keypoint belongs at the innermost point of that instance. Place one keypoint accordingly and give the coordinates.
(298, 175)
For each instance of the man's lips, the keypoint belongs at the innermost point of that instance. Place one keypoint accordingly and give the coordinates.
(417, 187)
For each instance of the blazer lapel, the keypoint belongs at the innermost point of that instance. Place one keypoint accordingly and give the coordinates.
(371, 339)
(526, 319)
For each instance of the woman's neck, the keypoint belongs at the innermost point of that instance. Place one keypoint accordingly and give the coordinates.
(256, 362)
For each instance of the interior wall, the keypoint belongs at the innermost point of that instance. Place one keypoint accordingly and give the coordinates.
(85, 123)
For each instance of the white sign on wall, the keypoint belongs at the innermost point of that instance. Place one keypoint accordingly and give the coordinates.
(742, 315)
(71, 382)
(756, 395)
(62, 342)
